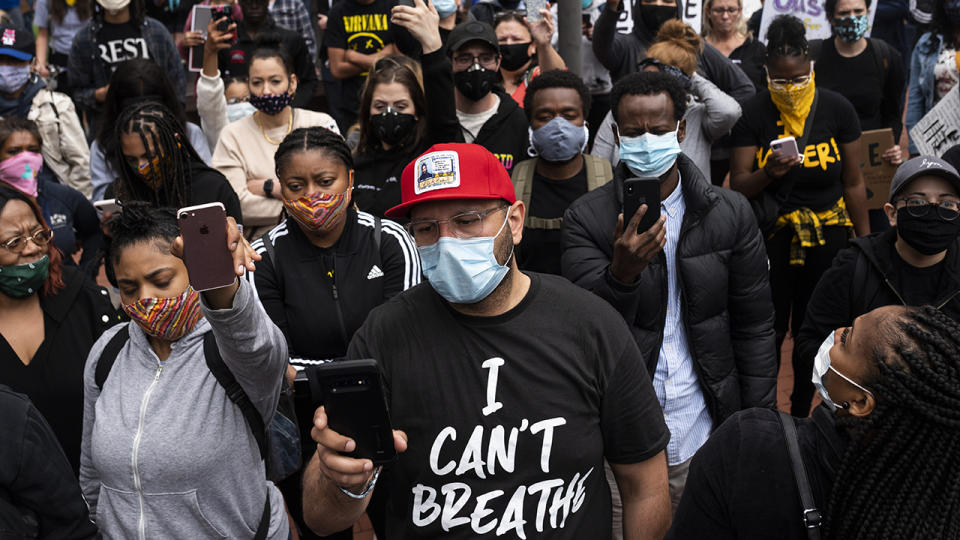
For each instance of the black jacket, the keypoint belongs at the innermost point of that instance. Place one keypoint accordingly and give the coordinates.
(741, 484)
(320, 297)
(71, 216)
(39, 494)
(505, 133)
(860, 280)
(722, 264)
(376, 186)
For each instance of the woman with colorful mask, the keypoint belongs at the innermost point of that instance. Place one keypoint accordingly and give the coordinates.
(157, 167)
(525, 50)
(807, 205)
(245, 149)
(934, 64)
(70, 215)
(166, 452)
(50, 316)
(881, 455)
(406, 111)
(327, 264)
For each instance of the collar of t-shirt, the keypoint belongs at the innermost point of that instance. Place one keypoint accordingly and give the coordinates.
(471, 123)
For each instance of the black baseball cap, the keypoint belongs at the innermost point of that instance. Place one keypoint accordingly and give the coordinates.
(16, 43)
(923, 166)
(472, 31)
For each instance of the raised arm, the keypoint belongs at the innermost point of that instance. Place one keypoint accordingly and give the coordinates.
(722, 111)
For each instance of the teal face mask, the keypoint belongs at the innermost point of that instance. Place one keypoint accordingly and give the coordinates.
(649, 154)
(852, 28)
(23, 280)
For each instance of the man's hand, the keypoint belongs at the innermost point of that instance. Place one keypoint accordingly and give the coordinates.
(778, 166)
(347, 472)
(100, 94)
(423, 23)
(893, 155)
(321, 21)
(632, 252)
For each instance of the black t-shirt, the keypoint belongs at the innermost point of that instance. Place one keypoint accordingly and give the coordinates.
(119, 42)
(509, 418)
(856, 79)
(819, 180)
(750, 57)
(541, 248)
(918, 286)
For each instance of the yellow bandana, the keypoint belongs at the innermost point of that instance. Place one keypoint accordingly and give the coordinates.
(793, 101)
(71, 2)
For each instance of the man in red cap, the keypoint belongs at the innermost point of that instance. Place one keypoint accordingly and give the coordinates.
(511, 389)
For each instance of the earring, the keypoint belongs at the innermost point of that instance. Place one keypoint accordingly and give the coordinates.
(845, 405)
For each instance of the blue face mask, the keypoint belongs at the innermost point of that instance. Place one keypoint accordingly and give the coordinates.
(586, 3)
(445, 8)
(649, 154)
(559, 140)
(464, 270)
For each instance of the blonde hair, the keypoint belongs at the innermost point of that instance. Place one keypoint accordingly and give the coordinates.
(677, 45)
(708, 27)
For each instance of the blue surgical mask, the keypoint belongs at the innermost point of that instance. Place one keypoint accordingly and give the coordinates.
(649, 154)
(445, 8)
(821, 364)
(586, 3)
(236, 111)
(464, 270)
(12, 78)
(852, 28)
(559, 139)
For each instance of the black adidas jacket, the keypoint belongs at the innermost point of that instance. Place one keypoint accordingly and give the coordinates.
(505, 133)
(319, 297)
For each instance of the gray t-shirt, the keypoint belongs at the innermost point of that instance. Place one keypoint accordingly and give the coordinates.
(62, 32)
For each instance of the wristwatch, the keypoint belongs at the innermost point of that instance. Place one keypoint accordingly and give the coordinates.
(268, 188)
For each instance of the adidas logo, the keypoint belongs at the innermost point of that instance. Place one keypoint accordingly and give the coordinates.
(375, 272)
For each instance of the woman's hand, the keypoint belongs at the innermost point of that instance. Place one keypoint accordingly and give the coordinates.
(217, 40)
(542, 30)
(778, 166)
(423, 23)
(243, 259)
(321, 21)
(893, 155)
(193, 38)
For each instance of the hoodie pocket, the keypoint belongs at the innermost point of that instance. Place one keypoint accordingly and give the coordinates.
(177, 515)
(118, 512)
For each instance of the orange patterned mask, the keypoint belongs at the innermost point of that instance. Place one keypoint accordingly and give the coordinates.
(317, 211)
(166, 318)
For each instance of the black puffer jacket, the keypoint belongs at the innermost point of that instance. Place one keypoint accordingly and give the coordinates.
(861, 280)
(727, 308)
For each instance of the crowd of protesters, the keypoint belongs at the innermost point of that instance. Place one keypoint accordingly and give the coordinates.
(577, 289)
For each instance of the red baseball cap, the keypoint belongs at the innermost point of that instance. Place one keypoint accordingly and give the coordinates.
(452, 171)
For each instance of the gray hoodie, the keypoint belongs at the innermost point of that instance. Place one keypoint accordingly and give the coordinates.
(165, 453)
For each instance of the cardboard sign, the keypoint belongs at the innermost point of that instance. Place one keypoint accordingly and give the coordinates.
(877, 173)
(810, 12)
(939, 129)
(201, 18)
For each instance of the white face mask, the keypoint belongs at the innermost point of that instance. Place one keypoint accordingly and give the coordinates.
(821, 364)
(113, 5)
(236, 111)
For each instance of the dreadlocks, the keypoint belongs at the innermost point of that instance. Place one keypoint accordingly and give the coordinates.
(163, 137)
(900, 477)
(312, 138)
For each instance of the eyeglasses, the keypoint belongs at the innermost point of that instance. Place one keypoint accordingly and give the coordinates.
(724, 11)
(917, 207)
(466, 225)
(796, 81)
(487, 60)
(40, 237)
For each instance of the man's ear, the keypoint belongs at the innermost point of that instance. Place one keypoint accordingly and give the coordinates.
(682, 130)
(518, 214)
(863, 405)
(891, 213)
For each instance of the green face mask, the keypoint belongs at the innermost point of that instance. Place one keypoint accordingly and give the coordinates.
(23, 280)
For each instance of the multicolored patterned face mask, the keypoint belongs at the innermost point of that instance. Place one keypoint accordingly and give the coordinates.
(318, 211)
(166, 318)
(150, 172)
(271, 104)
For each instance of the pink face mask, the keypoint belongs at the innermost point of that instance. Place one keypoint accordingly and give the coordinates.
(21, 170)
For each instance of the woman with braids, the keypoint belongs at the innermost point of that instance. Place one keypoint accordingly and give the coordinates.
(403, 112)
(882, 454)
(50, 316)
(245, 149)
(167, 452)
(158, 167)
(807, 205)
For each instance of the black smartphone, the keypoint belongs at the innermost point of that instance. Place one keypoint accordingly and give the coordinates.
(408, 3)
(352, 392)
(204, 231)
(219, 12)
(637, 192)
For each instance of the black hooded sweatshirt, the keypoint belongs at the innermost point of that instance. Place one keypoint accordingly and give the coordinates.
(505, 133)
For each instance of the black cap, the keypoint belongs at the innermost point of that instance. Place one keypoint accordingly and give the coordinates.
(923, 166)
(471, 31)
(16, 43)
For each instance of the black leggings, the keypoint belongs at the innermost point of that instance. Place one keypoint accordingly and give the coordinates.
(792, 287)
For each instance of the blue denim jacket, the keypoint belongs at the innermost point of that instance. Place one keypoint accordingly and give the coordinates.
(922, 82)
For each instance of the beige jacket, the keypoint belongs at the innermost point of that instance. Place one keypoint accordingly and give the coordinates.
(65, 149)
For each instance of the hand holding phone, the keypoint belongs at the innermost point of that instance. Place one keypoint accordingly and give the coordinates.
(639, 237)
(784, 155)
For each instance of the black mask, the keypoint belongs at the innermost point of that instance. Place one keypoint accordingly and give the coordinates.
(392, 127)
(514, 56)
(929, 233)
(475, 84)
(654, 16)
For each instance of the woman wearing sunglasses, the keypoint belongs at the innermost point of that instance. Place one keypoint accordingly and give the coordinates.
(808, 202)
(50, 316)
(881, 455)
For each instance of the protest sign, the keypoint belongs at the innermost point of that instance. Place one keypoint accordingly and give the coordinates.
(200, 20)
(877, 173)
(810, 12)
(939, 129)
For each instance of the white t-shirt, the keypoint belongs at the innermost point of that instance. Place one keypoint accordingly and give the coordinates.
(471, 123)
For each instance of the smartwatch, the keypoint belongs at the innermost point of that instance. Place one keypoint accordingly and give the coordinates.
(268, 188)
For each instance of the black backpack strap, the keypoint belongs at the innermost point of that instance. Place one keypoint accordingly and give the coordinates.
(264, 526)
(235, 392)
(109, 355)
(811, 516)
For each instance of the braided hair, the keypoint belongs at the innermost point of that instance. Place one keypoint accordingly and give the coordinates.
(786, 36)
(312, 138)
(900, 476)
(162, 135)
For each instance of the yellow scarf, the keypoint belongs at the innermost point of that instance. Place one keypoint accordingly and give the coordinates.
(793, 101)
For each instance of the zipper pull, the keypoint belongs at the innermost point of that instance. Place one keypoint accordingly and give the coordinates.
(159, 370)
(336, 296)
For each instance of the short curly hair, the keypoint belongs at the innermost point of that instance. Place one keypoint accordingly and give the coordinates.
(648, 83)
(556, 78)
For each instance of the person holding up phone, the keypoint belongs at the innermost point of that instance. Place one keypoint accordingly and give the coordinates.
(485, 354)
(808, 202)
(692, 285)
(166, 452)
